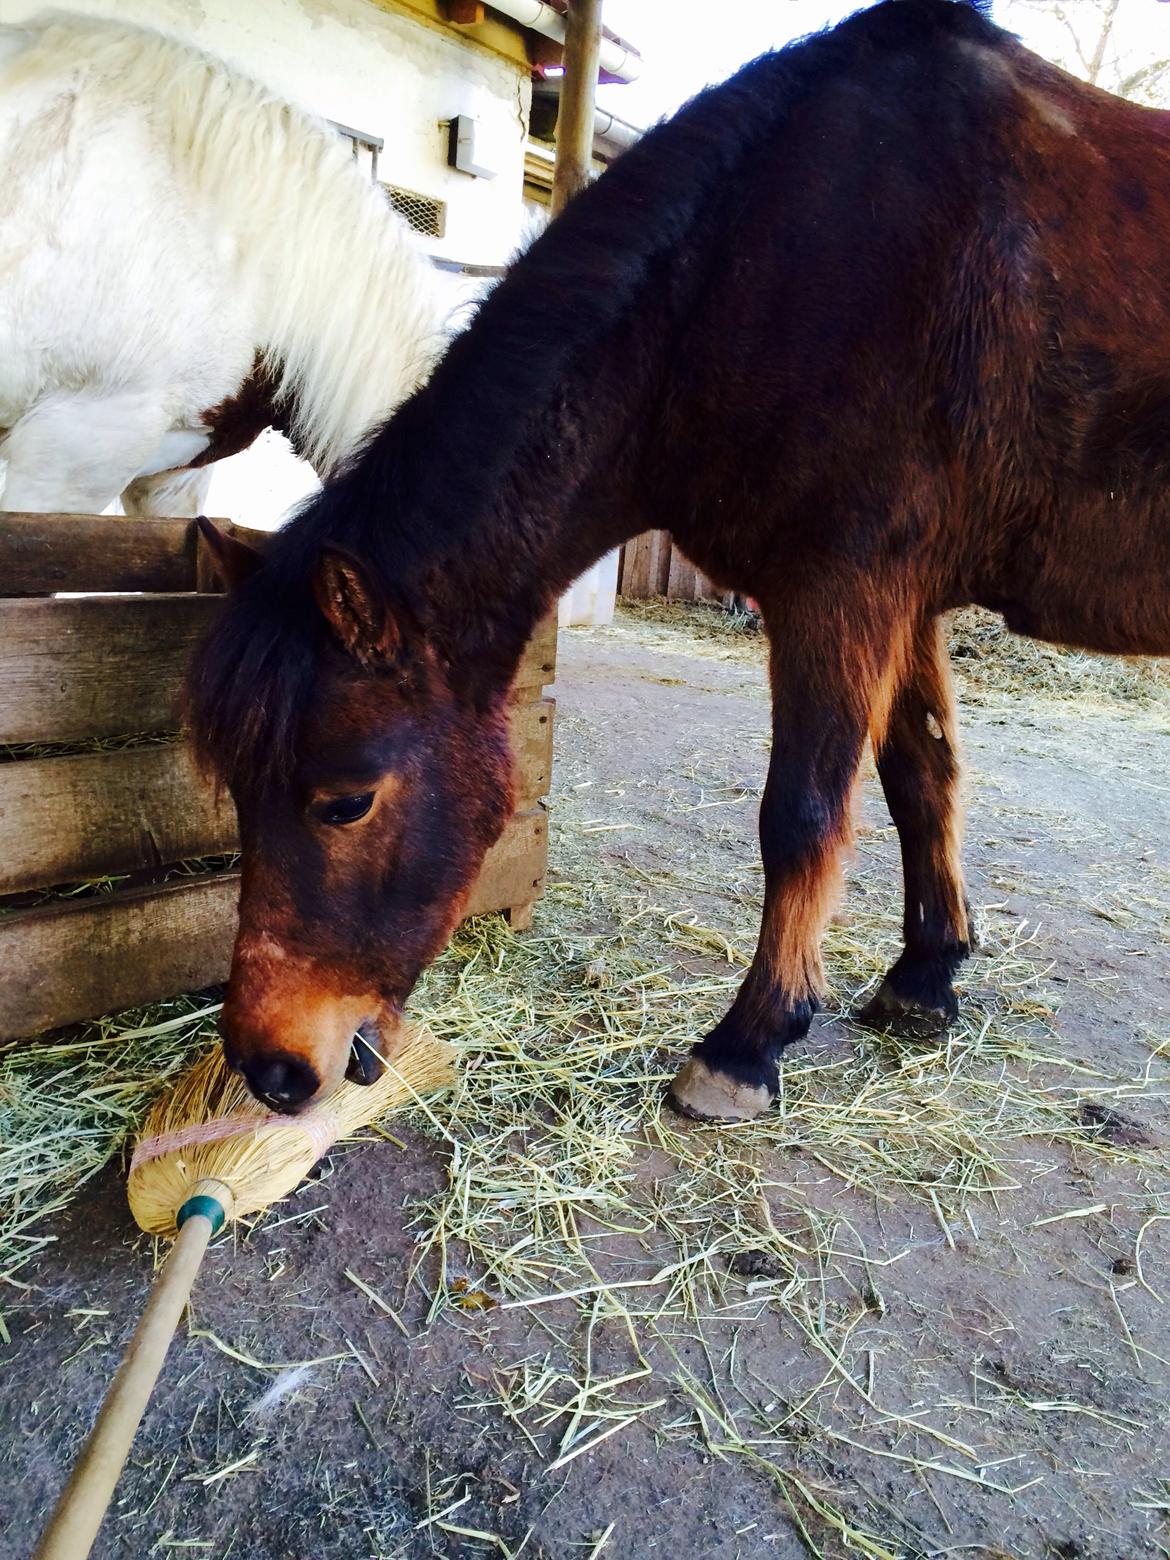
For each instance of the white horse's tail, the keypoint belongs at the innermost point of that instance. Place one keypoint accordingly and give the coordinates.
(345, 305)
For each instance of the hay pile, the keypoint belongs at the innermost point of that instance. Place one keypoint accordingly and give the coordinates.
(988, 662)
(638, 1242)
(574, 1192)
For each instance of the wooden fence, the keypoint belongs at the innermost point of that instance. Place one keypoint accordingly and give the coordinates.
(101, 673)
(651, 565)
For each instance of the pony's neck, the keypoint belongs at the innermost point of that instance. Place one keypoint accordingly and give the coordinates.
(509, 535)
(515, 467)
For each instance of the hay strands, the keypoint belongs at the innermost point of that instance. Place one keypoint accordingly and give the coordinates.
(209, 1153)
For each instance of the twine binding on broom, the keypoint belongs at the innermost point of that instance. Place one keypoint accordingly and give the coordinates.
(320, 1126)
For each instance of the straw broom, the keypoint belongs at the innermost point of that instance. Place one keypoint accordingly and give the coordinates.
(211, 1152)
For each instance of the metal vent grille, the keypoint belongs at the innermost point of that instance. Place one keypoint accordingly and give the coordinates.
(423, 213)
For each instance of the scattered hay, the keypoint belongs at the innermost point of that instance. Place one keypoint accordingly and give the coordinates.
(68, 1105)
(692, 628)
(641, 1247)
(90, 888)
(575, 1195)
(989, 662)
(14, 752)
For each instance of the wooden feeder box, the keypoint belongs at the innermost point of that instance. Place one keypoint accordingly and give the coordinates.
(111, 893)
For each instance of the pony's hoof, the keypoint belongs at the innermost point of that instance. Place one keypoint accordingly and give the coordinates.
(703, 1094)
(888, 1009)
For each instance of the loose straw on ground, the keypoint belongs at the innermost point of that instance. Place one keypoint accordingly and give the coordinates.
(565, 1179)
(210, 1152)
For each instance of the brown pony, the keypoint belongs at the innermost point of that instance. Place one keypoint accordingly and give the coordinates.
(877, 328)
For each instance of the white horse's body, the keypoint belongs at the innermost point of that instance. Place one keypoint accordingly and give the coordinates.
(166, 224)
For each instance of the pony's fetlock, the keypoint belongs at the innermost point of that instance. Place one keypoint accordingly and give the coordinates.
(733, 1075)
(917, 996)
(705, 1093)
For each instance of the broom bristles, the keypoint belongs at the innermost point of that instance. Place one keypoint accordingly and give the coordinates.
(209, 1127)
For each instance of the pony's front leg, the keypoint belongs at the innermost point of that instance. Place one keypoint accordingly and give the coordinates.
(181, 493)
(77, 450)
(919, 765)
(837, 656)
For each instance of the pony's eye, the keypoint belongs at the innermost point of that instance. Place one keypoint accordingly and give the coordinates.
(346, 809)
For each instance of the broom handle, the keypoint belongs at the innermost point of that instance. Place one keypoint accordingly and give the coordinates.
(78, 1513)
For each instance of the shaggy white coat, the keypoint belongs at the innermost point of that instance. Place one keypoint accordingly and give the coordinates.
(162, 220)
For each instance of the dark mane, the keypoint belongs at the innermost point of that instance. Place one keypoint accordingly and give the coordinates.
(428, 477)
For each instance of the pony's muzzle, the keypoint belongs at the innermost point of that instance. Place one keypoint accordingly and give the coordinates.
(286, 1083)
(291, 1041)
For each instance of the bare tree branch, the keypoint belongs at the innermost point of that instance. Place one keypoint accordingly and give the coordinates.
(1066, 21)
(1144, 82)
(1091, 27)
(1103, 41)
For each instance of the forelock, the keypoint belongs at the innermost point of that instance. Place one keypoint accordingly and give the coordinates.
(250, 683)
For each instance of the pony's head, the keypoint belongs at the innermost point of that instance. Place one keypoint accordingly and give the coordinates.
(368, 792)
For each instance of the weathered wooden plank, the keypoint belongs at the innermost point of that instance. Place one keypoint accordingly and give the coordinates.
(514, 869)
(40, 554)
(532, 743)
(635, 572)
(86, 957)
(99, 666)
(103, 666)
(66, 820)
(682, 584)
(538, 666)
(81, 958)
(661, 547)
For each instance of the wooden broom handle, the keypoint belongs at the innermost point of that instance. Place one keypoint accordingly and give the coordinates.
(83, 1502)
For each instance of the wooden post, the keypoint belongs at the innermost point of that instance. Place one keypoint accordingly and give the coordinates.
(582, 56)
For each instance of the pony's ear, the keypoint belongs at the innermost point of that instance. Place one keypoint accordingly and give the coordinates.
(234, 560)
(354, 607)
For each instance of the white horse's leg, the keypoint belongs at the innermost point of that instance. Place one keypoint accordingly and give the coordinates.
(169, 493)
(77, 452)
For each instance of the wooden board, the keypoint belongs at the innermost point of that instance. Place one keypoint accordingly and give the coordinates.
(99, 666)
(538, 667)
(67, 820)
(40, 554)
(514, 869)
(683, 581)
(646, 566)
(634, 573)
(104, 666)
(532, 743)
(81, 958)
(653, 566)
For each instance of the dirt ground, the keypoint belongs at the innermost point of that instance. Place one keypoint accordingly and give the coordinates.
(982, 1371)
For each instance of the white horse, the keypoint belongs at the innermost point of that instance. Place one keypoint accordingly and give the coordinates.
(185, 259)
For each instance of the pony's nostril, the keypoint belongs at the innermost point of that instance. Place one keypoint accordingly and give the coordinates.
(285, 1082)
(365, 1057)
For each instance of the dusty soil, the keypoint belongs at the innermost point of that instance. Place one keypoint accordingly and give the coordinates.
(1044, 1346)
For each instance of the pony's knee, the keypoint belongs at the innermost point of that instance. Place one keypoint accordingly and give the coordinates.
(175, 493)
